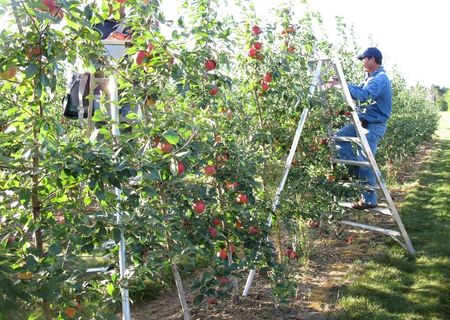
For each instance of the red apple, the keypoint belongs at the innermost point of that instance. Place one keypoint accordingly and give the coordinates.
(210, 170)
(293, 255)
(256, 30)
(242, 198)
(288, 251)
(210, 64)
(121, 1)
(70, 312)
(223, 280)
(222, 254)
(347, 113)
(252, 53)
(265, 86)
(267, 77)
(216, 221)
(165, 147)
(199, 206)
(11, 239)
(150, 48)
(330, 178)
(33, 52)
(238, 225)
(50, 4)
(253, 230)
(289, 29)
(8, 73)
(212, 300)
(324, 141)
(212, 231)
(156, 141)
(230, 185)
(181, 168)
(291, 48)
(257, 45)
(214, 90)
(349, 239)
(56, 11)
(313, 223)
(139, 57)
(231, 247)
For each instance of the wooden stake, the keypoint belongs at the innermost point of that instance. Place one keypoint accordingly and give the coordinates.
(181, 294)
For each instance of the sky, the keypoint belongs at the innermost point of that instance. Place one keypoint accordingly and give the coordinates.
(411, 34)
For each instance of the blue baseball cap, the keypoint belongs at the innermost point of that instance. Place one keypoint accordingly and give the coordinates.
(371, 52)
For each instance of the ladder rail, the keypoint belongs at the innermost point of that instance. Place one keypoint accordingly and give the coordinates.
(298, 132)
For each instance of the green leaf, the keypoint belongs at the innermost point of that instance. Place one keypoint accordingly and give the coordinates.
(54, 249)
(88, 12)
(25, 196)
(116, 235)
(35, 315)
(44, 80)
(110, 289)
(98, 116)
(31, 70)
(198, 299)
(171, 136)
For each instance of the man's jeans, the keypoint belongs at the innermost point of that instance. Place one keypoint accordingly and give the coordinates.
(374, 132)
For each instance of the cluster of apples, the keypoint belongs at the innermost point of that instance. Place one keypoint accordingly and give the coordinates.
(255, 49)
(210, 65)
(286, 32)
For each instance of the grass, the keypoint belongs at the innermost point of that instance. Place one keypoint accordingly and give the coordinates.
(394, 286)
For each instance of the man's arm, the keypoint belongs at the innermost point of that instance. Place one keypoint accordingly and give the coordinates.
(370, 91)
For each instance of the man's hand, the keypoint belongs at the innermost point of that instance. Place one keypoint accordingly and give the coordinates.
(333, 83)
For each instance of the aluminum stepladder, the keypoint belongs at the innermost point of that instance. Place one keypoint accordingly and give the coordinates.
(323, 66)
(401, 236)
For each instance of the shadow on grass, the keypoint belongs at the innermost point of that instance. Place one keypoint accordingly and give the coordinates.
(395, 286)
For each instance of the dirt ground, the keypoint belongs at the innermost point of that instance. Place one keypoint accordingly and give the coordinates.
(330, 266)
(318, 286)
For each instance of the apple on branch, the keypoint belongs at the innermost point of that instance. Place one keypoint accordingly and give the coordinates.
(210, 170)
(199, 206)
(139, 57)
(210, 65)
(256, 30)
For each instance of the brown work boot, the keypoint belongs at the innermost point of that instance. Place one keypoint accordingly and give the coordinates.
(360, 205)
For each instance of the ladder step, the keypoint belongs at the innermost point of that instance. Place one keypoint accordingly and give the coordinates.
(381, 210)
(388, 232)
(358, 185)
(352, 162)
(346, 139)
(97, 270)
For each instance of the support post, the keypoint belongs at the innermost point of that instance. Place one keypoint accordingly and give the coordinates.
(122, 245)
(181, 294)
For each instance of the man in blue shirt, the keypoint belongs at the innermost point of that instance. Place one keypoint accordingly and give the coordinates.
(376, 94)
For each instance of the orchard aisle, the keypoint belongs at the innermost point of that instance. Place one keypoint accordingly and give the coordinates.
(337, 280)
(392, 286)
